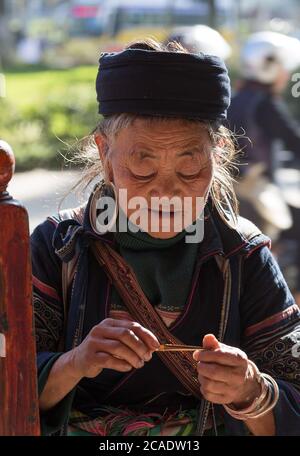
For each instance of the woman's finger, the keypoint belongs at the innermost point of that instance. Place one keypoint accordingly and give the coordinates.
(120, 351)
(218, 372)
(215, 398)
(107, 361)
(147, 336)
(234, 357)
(210, 342)
(143, 333)
(215, 387)
(127, 332)
(125, 336)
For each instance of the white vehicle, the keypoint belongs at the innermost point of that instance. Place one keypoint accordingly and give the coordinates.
(120, 15)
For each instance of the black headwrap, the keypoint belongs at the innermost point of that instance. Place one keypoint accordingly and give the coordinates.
(168, 84)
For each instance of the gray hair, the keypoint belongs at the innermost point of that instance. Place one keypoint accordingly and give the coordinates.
(224, 146)
(222, 188)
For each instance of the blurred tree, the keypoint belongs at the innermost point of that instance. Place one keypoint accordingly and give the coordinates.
(2, 7)
(170, 12)
(4, 33)
(212, 13)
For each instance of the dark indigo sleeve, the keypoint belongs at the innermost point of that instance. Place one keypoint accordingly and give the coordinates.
(53, 420)
(48, 316)
(271, 334)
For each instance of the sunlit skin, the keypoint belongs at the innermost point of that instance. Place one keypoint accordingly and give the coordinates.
(158, 159)
(161, 159)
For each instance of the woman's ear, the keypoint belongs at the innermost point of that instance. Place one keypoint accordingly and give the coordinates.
(102, 145)
(101, 142)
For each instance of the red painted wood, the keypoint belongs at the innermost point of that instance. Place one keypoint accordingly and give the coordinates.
(19, 413)
(7, 165)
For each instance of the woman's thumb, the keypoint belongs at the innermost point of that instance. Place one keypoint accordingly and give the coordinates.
(210, 342)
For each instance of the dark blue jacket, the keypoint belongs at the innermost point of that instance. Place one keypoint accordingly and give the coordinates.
(263, 117)
(259, 313)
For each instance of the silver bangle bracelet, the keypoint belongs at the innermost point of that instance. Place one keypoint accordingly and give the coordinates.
(261, 405)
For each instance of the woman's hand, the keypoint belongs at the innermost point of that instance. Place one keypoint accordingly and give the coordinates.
(113, 344)
(224, 374)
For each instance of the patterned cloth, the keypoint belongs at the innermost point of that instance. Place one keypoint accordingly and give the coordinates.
(124, 422)
(271, 342)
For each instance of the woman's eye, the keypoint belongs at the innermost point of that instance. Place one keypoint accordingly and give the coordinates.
(190, 176)
(143, 176)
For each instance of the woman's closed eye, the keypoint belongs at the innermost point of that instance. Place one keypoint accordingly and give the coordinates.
(196, 175)
(143, 176)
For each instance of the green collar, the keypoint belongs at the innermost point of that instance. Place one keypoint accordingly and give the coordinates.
(141, 240)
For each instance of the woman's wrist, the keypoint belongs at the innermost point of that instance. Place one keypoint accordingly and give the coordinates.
(70, 365)
(262, 404)
(253, 389)
(61, 380)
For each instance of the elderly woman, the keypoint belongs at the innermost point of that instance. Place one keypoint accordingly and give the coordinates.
(120, 311)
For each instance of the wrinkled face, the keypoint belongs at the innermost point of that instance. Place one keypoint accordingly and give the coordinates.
(161, 160)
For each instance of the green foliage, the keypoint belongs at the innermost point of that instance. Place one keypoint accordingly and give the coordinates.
(45, 109)
(74, 52)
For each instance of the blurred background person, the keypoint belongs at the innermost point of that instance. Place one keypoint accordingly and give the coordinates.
(265, 128)
(201, 38)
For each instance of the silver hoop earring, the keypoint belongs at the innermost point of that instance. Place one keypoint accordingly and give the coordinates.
(116, 208)
(105, 190)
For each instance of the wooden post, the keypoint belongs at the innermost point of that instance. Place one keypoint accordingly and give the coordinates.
(19, 414)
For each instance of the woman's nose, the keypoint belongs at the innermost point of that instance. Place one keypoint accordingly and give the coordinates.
(166, 186)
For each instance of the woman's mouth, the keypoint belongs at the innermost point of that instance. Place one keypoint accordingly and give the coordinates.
(163, 213)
